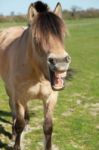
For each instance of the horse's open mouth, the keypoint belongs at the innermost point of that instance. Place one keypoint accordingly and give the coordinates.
(57, 80)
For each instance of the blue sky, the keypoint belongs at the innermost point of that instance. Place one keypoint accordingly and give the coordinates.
(21, 6)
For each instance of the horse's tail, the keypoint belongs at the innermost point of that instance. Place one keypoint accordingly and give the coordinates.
(2, 38)
(0, 51)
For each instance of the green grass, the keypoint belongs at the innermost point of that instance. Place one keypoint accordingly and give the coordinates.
(76, 123)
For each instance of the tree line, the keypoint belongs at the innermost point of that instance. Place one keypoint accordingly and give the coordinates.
(74, 13)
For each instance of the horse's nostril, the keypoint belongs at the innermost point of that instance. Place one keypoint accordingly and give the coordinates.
(67, 59)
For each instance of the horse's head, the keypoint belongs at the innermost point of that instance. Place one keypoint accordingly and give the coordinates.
(48, 32)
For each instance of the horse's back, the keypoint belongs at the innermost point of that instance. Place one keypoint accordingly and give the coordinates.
(7, 37)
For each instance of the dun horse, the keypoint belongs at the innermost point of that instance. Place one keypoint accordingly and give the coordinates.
(33, 65)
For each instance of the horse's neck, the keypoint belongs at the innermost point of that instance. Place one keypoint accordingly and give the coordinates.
(34, 62)
(31, 61)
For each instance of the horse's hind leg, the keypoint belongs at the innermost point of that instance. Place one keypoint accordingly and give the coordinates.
(19, 124)
(27, 118)
(48, 122)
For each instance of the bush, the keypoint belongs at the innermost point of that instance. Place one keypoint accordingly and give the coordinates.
(18, 18)
(73, 14)
(89, 13)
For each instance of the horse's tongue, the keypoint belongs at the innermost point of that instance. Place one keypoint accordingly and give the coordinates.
(58, 82)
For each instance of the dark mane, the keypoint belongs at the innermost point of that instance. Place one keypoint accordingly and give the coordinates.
(48, 24)
(41, 7)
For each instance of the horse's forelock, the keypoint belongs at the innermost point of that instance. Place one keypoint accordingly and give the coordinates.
(48, 24)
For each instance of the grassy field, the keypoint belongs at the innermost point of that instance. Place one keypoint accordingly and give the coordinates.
(76, 118)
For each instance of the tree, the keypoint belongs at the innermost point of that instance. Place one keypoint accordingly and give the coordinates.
(74, 10)
(12, 13)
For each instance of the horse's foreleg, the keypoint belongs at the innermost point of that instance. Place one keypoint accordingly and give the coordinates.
(19, 124)
(27, 118)
(12, 107)
(49, 105)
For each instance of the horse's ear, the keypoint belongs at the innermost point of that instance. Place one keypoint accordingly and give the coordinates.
(32, 12)
(58, 10)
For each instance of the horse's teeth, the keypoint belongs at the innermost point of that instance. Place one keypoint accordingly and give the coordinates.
(59, 75)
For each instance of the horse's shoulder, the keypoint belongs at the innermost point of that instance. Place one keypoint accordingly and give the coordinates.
(11, 32)
(16, 31)
(7, 36)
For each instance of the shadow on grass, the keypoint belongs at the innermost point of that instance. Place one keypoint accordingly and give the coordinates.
(4, 132)
(3, 115)
(5, 146)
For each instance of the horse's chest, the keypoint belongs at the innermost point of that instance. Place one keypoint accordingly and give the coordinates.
(41, 90)
(30, 90)
(33, 91)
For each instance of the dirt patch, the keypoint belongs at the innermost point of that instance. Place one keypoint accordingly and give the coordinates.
(68, 112)
(94, 109)
(76, 145)
(41, 146)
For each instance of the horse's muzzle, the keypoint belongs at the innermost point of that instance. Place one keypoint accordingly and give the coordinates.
(58, 69)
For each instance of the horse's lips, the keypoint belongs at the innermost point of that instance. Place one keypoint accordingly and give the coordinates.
(57, 80)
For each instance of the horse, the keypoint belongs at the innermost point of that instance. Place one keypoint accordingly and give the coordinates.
(33, 65)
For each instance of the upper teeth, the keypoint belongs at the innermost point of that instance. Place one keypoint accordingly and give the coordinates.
(60, 75)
